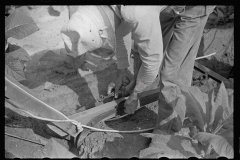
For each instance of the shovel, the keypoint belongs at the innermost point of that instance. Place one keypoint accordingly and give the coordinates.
(120, 111)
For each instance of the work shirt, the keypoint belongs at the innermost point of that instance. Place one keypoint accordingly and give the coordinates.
(141, 24)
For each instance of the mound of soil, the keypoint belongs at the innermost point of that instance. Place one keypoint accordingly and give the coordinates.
(120, 145)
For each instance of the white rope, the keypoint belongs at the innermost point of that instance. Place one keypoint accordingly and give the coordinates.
(205, 56)
(117, 131)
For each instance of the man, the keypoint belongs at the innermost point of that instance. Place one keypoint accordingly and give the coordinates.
(92, 27)
(140, 23)
(182, 28)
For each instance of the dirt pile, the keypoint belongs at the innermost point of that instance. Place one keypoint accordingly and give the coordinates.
(105, 144)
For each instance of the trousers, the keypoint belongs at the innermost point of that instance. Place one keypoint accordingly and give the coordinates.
(182, 34)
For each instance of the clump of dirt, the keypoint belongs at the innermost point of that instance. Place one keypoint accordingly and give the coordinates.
(96, 141)
(120, 145)
(203, 81)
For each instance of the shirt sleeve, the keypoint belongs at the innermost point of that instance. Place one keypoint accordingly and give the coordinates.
(147, 35)
(149, 69)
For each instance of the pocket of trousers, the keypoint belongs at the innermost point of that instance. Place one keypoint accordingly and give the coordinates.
(193, 12)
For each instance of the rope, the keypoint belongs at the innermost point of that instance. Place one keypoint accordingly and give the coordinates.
(117, 131)
(205, 56)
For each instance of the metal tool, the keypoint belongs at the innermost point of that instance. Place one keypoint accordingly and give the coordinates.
(120, 112)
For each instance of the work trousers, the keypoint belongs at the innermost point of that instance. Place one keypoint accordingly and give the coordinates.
(181, 39)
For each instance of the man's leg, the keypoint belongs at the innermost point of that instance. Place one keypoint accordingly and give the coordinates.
(177, 67)
(167, 20)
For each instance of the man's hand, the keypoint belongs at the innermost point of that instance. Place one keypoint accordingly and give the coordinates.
(131, 104)
(122, 83)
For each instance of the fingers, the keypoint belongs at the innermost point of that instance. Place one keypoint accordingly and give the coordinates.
(131, 82)
(129, 76)
(125, 81)
(131, 105)
(110, 88)
(119, 83)
(117, 87)
(130, 86)
(129, 110)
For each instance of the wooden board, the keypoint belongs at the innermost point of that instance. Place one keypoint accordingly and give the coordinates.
(211, 73)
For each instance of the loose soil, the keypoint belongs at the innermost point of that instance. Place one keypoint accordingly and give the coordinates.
(116, 145)
(72, 91)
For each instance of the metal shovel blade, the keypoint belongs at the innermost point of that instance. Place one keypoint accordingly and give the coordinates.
(120, 111)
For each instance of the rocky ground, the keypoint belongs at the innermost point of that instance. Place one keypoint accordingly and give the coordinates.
(71, 92)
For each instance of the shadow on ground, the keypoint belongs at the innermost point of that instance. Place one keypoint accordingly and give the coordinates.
(16, 120)
(87, 87)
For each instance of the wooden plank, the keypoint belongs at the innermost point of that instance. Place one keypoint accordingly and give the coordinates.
(211, 73)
